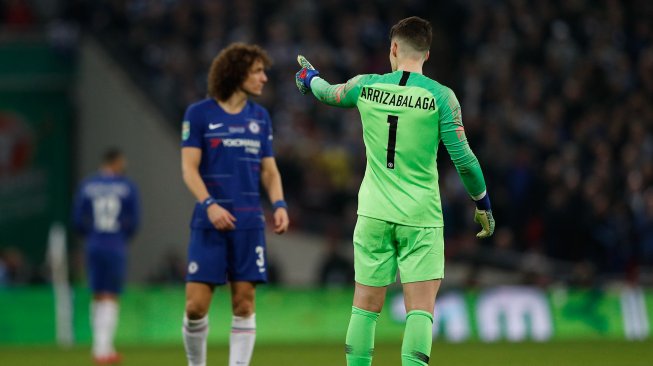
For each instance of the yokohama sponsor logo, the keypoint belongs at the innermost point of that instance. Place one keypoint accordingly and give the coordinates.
(241, 143)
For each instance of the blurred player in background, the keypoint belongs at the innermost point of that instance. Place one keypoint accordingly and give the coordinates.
(226, 153)
(405, 115)
(106, 213)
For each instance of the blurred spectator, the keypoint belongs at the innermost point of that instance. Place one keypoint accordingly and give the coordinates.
(4, 275)
(335, 269)
(172, 270)
(644, 228)
(14, 269)
(17, 14)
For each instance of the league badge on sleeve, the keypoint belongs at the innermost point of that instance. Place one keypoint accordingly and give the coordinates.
(185, 130)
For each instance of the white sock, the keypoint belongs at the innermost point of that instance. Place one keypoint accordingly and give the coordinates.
(195, 333)
(104, 319)
(241, 340)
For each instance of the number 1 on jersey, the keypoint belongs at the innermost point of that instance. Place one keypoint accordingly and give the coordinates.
(392, 141)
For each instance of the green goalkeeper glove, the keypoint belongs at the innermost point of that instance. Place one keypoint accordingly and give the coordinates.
(304, 76)
(485, 218)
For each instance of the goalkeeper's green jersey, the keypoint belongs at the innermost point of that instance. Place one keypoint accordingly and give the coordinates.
(405, 115)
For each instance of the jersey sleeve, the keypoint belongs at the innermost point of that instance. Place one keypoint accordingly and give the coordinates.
(453, 136)
(81, 207)
(266, 138)
(338, 95)
(131, 219)
(192, 128)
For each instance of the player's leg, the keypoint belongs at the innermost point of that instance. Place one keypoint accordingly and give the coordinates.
(243, 323)
(359, 342)
(376, 267)
(105, 310)
(419, 299)
(247, 267)
(195, 327)
(206, 268)
(104, 321)
(421, 265)
(107, 266)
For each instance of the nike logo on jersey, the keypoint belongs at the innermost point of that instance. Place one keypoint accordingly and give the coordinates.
(214, 126)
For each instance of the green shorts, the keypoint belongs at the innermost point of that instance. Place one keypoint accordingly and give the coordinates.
(381, 246)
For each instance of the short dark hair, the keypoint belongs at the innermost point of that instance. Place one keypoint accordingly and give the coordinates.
(414, 30)
(231, 66)
(111, 155)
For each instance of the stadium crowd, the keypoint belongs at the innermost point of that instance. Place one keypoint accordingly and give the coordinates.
(556, 99)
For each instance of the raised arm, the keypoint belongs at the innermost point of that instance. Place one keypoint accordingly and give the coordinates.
(466, 163)
(338, 95)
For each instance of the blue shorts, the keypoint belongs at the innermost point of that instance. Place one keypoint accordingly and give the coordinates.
(216, 257)
(106, 267)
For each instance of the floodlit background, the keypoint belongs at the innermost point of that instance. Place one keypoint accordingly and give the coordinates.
(557, 101)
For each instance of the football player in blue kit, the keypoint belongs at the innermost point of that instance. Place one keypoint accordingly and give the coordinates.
(226, 154)
(106, 213)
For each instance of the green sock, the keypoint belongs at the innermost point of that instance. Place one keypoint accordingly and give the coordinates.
(418, 337)
(359, 345)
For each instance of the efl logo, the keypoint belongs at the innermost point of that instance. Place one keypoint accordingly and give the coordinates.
(185, 130)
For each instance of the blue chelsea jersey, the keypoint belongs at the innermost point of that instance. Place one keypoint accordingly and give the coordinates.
(106, 209)
(233, 146)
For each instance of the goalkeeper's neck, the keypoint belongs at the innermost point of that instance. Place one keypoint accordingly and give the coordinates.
(407, 59)
(410, 64)
(410, 68)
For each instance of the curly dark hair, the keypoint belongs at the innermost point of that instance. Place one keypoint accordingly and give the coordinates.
(231, 66)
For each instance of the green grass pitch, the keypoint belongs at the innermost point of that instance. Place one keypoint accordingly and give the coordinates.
(594, 353)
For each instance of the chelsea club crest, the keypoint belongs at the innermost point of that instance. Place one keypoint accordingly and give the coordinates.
(253, 126)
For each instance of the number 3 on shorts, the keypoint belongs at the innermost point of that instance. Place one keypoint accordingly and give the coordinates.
(260, 262)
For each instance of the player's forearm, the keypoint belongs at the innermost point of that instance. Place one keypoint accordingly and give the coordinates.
(472, 176)
(466, 163)
(335, 95)
(80, 226)
(195, 184)
(133, 221)
(79, 220)
(272, 184)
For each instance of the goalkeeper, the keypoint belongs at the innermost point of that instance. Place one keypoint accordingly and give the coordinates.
(400, 226)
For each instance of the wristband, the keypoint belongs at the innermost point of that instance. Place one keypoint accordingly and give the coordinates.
(279, 204)
(484, 203)
(208, 202)
(310, 76)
